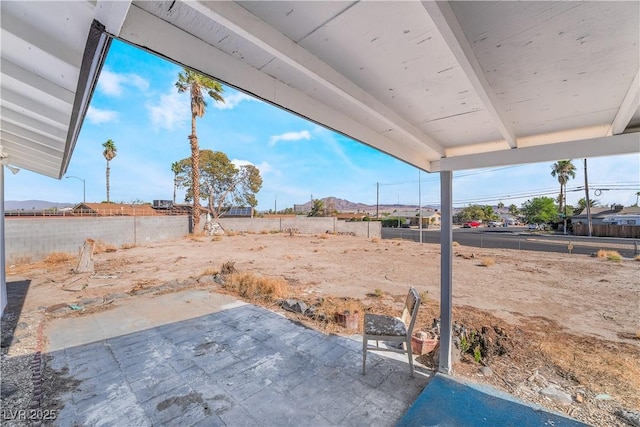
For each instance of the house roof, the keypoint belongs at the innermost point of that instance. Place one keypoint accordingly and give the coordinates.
(601, 212)
(440, 85)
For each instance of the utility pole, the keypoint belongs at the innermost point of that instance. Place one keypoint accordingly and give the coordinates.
(377, 199)
(275, 204)
(420, 205)
(586, 198)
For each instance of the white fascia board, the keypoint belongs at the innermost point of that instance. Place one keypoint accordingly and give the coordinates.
(627, 143)
(112, 14)
(628, 107)
(165, 39)
(449, 28)
(246, 25)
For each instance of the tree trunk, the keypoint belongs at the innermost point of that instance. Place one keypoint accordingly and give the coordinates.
(85, 258)
(108, 171)
(195, 172)
(175, 185)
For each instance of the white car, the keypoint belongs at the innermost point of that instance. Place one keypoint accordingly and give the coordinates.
(534, 227)
(494, 224)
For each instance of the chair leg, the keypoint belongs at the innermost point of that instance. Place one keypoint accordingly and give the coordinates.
(364, 354)
(410, 354)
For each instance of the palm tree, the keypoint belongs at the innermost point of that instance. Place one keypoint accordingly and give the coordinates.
(196, 83)
(175, 168)
(109, 153)
(563, 170)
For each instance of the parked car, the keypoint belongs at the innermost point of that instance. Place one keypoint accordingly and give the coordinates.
(494, 224)
(534, 227)
(471, 224)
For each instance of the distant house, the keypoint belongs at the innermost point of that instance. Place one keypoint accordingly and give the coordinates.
(509, 219)
(113, 209)
(351, 216)
(605, 215)
(412, 217)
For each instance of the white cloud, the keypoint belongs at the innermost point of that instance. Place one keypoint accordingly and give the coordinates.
(263, 167)
(170, 111)
(97, 116)
(231, 101)
(112, 84)
(289, 136)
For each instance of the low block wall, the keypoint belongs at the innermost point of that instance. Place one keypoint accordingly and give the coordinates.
(31, 239)
(304, 225)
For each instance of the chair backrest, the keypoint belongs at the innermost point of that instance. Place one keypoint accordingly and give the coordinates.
(410, 312)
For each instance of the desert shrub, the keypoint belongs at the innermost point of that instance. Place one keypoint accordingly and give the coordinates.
(610, 255)
(264, 232)
(614, 256)
(487, 262)
(216, 238)
(253, 287)
(375, 240)
(637, 258)
(377, 292)
(58, 258)
(128, 246)
(477, 354)
(454, 243)
(424, 296)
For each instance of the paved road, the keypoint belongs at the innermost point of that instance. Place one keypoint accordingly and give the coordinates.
(518, 238)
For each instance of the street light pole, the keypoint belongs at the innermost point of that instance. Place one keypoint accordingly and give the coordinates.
(84, 198)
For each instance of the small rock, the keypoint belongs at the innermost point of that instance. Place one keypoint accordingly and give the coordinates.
(603, 396)
(91, 301)
(294, 306)
(218, 279)
(579, 398)
(558, 395)
(632, 417)
(486, 371)
(7, 389)
(22, 325)
(533, 376)
(115, 295)
(206, 279)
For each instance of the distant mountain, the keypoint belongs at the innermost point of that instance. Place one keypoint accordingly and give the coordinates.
(28, 205)
(342, 205)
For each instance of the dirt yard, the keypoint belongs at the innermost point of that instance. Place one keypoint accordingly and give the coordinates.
(545, 320)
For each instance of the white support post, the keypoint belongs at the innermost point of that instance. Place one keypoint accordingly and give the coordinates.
(3, 278)
(446, 270)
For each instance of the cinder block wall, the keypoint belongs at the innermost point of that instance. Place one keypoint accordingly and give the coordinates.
(304, 225)
(31, 239)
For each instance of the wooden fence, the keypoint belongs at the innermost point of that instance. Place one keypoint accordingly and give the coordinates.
(601, 230)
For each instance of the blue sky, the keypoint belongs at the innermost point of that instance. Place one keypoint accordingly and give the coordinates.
(137, 106)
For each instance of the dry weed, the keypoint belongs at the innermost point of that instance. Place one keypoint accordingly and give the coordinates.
(487, 262)
(128, 246)
(209, 272)
(55, 258)
(610, 255)
(216, 238)
(264, 232)
(323, 236)
(637, 258)
(375, 240)
(253, 287)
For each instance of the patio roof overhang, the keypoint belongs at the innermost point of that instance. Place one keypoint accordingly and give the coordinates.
(443, 86)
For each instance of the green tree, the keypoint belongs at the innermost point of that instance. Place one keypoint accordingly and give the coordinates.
(582, 205)
(196, 84)
(317, 208)
(477, 212)
(564, 170)
(109, 154)
(223, 184)
(500, 205)
(513, 210)
(539, 210)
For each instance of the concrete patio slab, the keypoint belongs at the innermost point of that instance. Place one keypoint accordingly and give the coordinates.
(200, 358)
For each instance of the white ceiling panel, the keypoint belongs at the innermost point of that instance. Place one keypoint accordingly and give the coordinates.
(437, 84)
